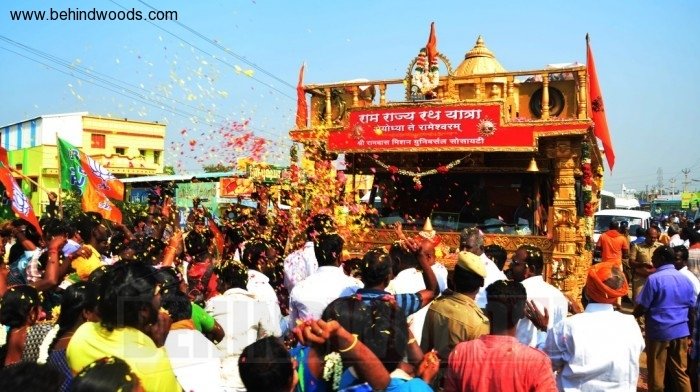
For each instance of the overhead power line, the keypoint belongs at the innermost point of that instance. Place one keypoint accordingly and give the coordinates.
(225, 49)
(231, 66)
(115, 85)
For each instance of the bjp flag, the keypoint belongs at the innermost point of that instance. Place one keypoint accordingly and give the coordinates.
(20, 204)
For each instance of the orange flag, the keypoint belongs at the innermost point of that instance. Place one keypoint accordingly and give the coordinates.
(302, 109)
(19, 202)
(431, 46)
(218, 237)
(96, 201)
(596, 108)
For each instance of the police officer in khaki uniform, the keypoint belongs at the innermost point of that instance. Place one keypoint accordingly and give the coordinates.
(640, 260)
(455, 317)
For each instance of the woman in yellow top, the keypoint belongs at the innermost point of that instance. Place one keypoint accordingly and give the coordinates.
(131, 328)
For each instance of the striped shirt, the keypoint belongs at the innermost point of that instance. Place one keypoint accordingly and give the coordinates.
(409, 303)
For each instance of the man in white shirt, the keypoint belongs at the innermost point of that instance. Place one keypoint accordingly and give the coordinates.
(243, 317)
(196, 361)
(682, 267)
(410, 280)
(472, 240)
(255, 259)
(526, 268)
(310, 297)
(674, 232)
(301, 263)
(599, 349)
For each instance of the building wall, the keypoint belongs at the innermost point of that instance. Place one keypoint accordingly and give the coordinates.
(31, 146)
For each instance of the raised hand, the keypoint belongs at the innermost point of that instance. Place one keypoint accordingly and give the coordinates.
(540, 320)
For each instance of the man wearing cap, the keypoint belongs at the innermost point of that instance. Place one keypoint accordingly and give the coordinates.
(526, 268)
(455, 317)
(599, 349)
(613, 245)
(667, 303)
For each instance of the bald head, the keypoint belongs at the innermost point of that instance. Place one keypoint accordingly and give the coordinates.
(427, 251)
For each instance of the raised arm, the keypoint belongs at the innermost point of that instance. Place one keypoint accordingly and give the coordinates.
(432, 289)
(352, 351)
(54, 271)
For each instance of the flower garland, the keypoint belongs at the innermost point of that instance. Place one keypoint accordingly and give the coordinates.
(46, 343)
(333, 369)
(417, 175)
(587, 185)
(426, 81)
(587, 180)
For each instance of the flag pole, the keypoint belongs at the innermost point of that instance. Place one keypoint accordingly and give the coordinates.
(28, 179)
(58, 158)
(60, 204)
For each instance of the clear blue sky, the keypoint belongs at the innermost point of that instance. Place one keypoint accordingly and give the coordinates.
(646, 54)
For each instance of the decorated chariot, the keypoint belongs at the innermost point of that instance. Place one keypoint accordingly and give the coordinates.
(512, 152)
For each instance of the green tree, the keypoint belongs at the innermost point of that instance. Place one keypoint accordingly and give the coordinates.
(170, 170)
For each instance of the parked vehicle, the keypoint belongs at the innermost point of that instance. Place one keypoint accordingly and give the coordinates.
(634, 219)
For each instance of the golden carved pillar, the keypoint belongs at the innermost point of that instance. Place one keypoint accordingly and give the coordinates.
(382, 94)
(510, 98)
(582, 95)
(329, 110)
(545, 96)
(567, 270)
(355, 95)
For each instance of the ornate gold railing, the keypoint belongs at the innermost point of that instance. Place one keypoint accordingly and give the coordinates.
(396, 92)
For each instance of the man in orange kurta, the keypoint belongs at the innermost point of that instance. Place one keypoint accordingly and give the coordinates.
(613, 245)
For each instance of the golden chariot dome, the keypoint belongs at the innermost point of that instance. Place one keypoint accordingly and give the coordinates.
(479, 60)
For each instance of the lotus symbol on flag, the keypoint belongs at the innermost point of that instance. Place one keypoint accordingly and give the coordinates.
(105, 205)
(19, 200)
(100, 171)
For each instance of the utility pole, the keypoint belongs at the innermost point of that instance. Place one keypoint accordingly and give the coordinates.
(672, 181)
(686, 182)
(660, 180)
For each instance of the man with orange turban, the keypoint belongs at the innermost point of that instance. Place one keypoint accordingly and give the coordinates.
(598, 349)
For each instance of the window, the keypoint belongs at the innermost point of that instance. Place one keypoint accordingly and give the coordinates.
(156, 157)
(97, 141)
(142, 153)
(33, 185)
(119, 150)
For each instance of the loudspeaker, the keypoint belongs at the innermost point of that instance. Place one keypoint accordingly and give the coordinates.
(556, 102)
(562, 99)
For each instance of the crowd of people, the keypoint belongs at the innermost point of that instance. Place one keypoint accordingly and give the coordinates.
(88, 305)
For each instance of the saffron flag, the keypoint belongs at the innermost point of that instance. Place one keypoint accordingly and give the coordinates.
(596, 108)
(431, 46)
(95, 201)
(218, 236)
(78, 167)
(20, 204)
(3, 157)
(94, 186)
(302, 109)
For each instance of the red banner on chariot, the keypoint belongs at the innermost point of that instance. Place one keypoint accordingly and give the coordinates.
(430, 128)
